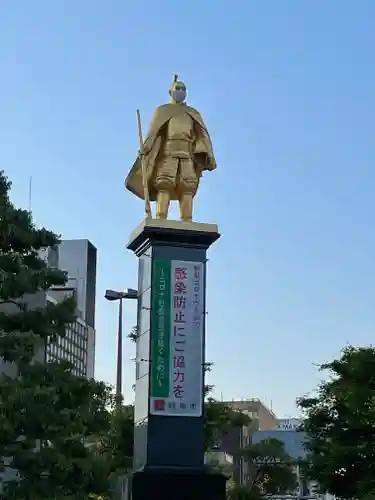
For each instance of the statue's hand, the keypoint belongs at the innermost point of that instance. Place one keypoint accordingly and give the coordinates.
(146, 147)
(201, 159)
(200, 163)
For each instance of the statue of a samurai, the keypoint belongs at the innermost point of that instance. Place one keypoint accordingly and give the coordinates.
(176, 150)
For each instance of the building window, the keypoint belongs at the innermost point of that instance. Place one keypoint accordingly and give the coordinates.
(72, 348)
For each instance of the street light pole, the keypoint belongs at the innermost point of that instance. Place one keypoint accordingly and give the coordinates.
(113, 295)
(119, 357)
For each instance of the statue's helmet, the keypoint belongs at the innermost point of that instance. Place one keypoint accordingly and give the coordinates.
(178, 90)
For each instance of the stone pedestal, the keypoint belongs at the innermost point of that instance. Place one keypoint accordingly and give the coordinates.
(175, 484)
(169, 395)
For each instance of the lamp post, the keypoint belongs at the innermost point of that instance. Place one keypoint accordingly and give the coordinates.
(113, 295)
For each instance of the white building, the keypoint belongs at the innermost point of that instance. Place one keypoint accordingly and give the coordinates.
(78, 258)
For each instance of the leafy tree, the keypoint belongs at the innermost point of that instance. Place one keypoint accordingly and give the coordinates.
(45, 411)
(340, 425)
(133, 334)
(238, 492)
(213, 462)
(219, 420)
(271, 471)
(116, 445)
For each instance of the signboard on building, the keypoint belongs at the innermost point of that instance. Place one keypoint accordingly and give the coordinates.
(177, 315)
(288, 424)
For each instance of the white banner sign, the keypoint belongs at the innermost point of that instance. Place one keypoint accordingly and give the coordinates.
(177, 339)
(288, 424)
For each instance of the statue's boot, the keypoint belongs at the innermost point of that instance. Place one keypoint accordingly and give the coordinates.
(186, 206)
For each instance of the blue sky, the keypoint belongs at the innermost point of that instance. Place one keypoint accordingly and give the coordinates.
(287, 91)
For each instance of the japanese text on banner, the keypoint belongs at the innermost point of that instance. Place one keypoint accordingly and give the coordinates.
(179, 331)
(197, 306)
(160, 360)
(161, 324)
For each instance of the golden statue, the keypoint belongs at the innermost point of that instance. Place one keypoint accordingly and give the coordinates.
(173, 156)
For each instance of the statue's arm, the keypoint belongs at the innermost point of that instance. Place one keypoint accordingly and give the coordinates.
(154, 131)
(204, 156)
(151, 157)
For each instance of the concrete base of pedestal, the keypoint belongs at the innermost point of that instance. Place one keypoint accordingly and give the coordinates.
(177, 484)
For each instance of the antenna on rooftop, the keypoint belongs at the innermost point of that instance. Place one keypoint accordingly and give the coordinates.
(30, 191)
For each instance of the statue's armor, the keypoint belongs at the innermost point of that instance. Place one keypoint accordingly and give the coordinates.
(175, 166)
(177, 150)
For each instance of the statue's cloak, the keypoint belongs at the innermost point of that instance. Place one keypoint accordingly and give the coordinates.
(202, 148)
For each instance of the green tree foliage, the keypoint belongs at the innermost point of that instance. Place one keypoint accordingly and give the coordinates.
(271, 471)
(45, 411)
(116, 445)
(219, 420)
(239, 492)
(340, 424)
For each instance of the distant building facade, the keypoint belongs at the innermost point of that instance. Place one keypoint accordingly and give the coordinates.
(77, 347)
(236, 439)
(293, 440)
(78, 258)
(288, 424)
(261, 416)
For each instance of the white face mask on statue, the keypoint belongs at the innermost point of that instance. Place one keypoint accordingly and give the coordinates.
(179, 95)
